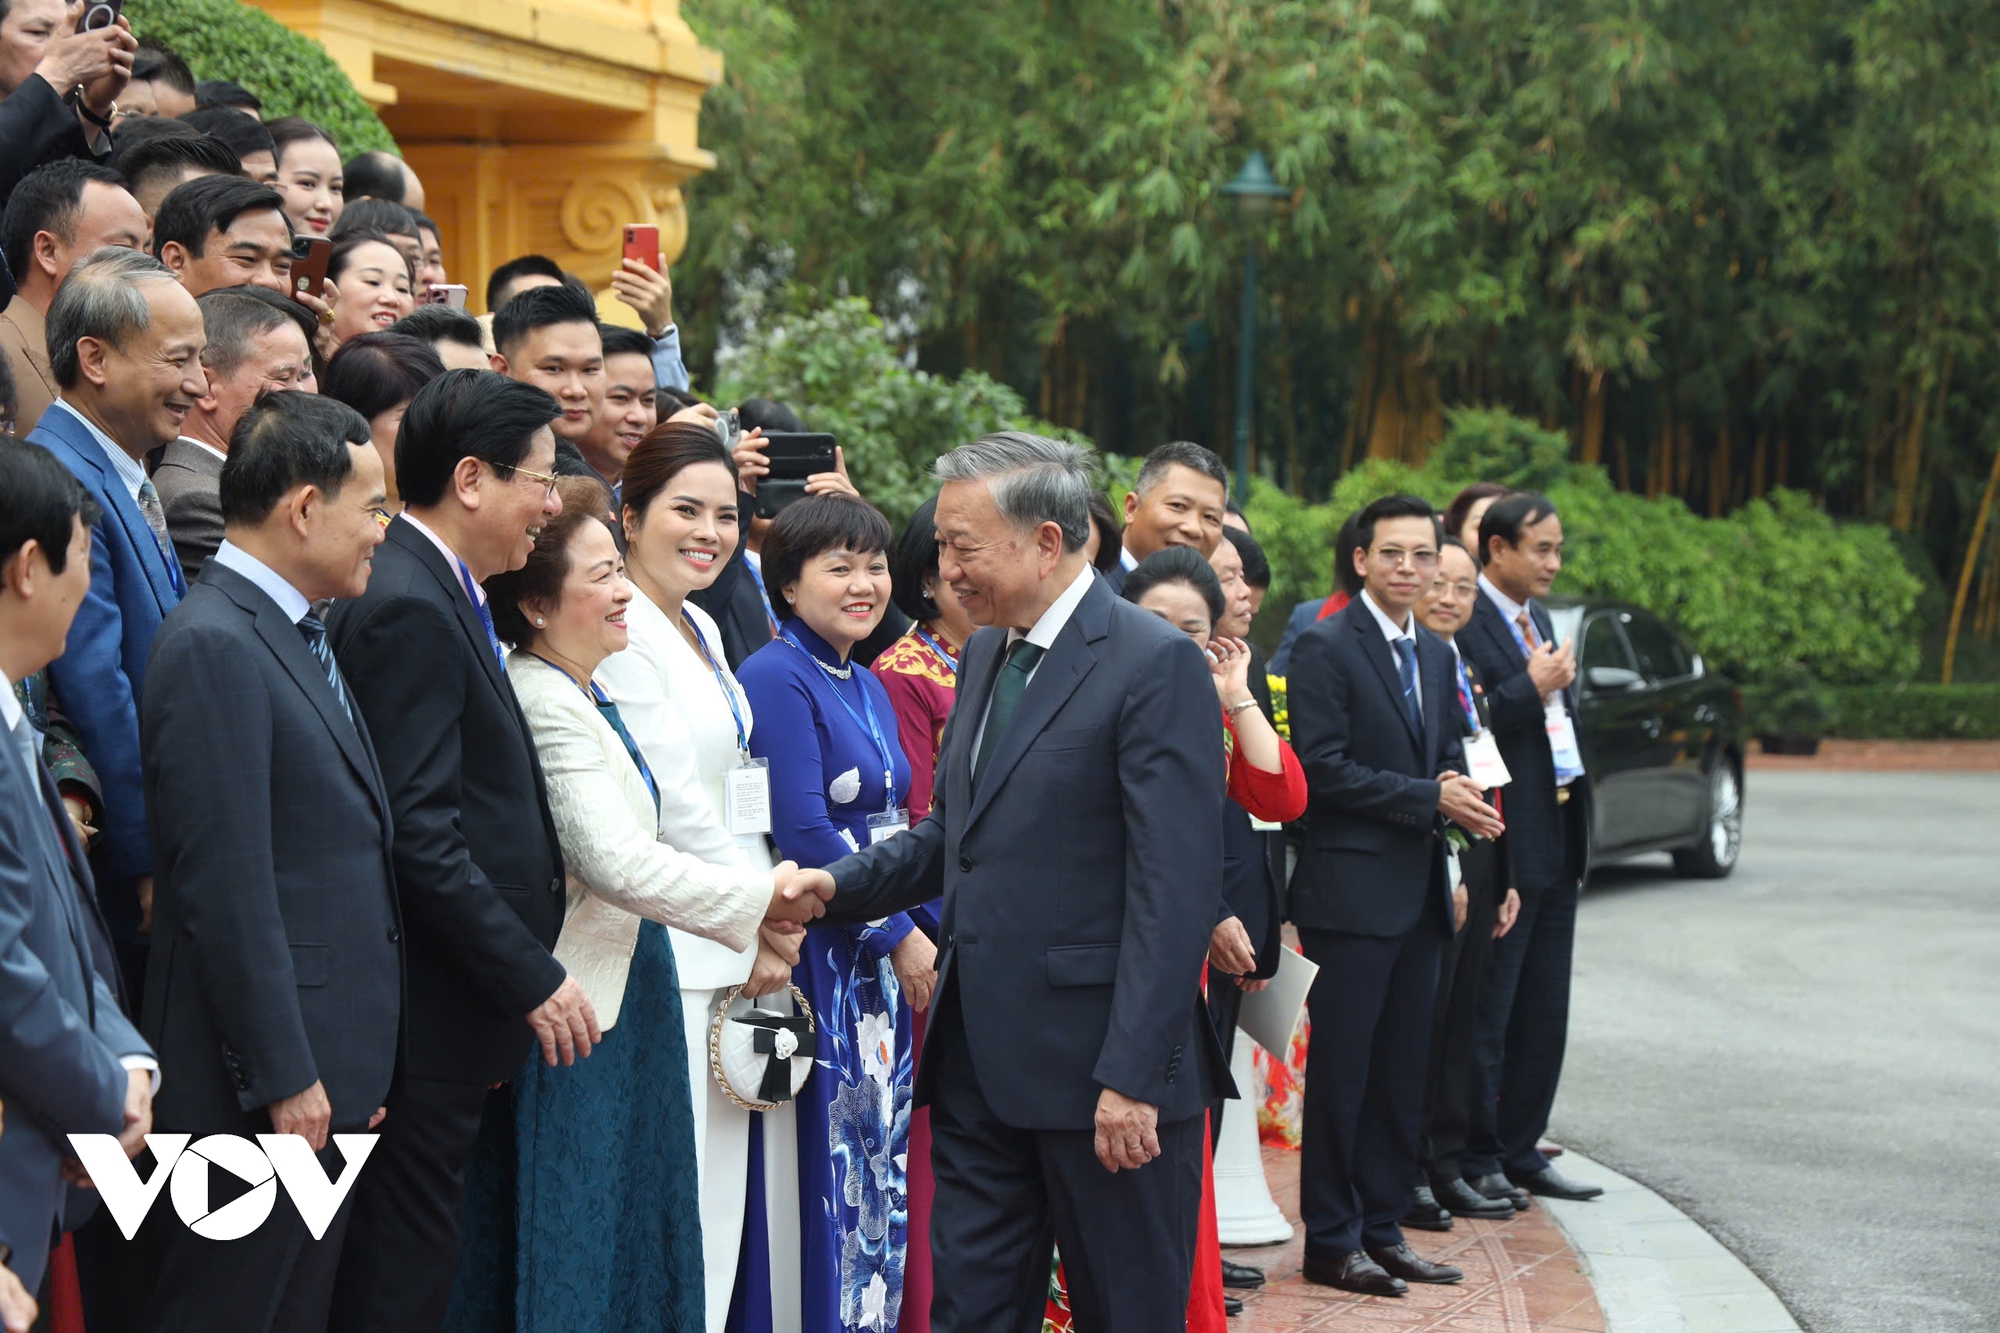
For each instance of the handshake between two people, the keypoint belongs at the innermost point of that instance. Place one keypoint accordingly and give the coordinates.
(798, 897)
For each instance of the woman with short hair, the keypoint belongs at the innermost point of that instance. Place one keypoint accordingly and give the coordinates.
(377, 374)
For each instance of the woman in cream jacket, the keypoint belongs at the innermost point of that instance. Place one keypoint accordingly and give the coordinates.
(586, 1215)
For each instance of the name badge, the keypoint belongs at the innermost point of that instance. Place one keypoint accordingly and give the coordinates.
(1265, 825)
(1484, 764)
(887, 825)
(1562, 738)
(746, 797)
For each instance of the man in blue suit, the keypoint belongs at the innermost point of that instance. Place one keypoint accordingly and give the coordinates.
(70, 1061)
(1377, 726)
(125, 343)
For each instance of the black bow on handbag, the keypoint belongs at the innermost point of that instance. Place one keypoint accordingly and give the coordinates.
(777, 1084)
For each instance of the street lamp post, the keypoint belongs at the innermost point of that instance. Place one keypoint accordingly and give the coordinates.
(1256, 194)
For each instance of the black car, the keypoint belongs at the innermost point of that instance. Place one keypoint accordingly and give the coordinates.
(1663, 739)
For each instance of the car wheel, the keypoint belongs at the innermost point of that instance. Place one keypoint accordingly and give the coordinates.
(1722, 838)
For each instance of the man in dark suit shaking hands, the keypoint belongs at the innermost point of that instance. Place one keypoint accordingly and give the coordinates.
(1076, 836)
(1524, 1007)
(274, 994)
(1376, 724)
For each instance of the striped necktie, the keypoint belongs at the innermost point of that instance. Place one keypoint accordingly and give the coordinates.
(1406, 654)
(315, 635)
(156, 518)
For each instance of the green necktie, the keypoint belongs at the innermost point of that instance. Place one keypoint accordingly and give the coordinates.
(1021, 659)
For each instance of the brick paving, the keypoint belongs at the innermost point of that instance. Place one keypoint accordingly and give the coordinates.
(1520, 1277)
(1836, 756)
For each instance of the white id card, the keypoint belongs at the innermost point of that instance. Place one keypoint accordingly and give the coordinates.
(746, 797)
(1562, 738)
(1265, 825)
(1484, 764)
(887, 825)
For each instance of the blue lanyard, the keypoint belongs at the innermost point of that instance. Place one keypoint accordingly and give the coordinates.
(938, 648)
(609, 712)
(721, 683)
(1471, 708)
(874, 728)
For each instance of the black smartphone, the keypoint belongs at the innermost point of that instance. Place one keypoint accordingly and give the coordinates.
(793, 456)
(101, 14)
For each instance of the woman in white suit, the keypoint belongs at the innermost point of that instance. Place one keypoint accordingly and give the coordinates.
(692, 722)
(586, 1216)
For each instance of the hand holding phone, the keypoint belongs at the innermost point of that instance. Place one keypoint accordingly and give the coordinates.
(310, 255)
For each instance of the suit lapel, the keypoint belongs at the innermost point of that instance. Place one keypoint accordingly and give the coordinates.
(59, 861)
(1377, 650)
(84, 446)
(1434, 682)
(1061, 670)
(469, 622)
(1486, 617)
(983, 655)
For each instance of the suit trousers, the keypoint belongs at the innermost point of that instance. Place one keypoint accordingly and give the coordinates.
(1364, 1104)
(1003, 1194)
(277, 1279)
(1522, 1029)
(402, 1252)
(1454, 1060)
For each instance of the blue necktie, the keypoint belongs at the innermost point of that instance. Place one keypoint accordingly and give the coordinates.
(1406, 654)
(315, 633)
(485, 616)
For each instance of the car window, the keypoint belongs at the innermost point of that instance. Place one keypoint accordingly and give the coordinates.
(1661, 656)
(1604, 646)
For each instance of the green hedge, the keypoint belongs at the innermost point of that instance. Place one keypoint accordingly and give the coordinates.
(293, 74)
(1775, 589)
(1914, 712)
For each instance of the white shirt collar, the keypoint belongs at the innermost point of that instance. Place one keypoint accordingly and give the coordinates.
(1044, 632)
(130, 470)
(1388, 626)
(1510, 609)
(276, 586)
(205, 447)
(1126, 560)
(10, 707)
(450, 556)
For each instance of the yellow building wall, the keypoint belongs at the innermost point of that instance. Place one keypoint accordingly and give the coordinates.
(535, 128)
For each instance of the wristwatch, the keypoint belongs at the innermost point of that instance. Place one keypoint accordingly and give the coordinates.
(75, 99)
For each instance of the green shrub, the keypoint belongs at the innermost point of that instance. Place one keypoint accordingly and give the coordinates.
(292, 73)
(1915, 712)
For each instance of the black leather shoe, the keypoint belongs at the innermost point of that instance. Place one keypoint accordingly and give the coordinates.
(1555, 1185)
(1354, 1271)
(1497, 1186)
(1231, 1306)
(1242, 1276)
(1425, 1213)
(1461, 1200)
(1402, 1261)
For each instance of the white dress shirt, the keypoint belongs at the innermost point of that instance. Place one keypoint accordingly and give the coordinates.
(679, 717)
(205, 447)
(1396, 636)
(273, 584)
(1043, 633)
(1512, 611)
(129, 469)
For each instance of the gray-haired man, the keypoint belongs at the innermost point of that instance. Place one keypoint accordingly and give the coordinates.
(1076, 837)
(125, 343)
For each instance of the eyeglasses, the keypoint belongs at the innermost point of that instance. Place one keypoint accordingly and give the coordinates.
(549, 485)
(1462, 589)
(1392, 557)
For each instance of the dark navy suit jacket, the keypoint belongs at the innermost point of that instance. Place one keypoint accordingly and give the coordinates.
(102, 671)
(1081, 875)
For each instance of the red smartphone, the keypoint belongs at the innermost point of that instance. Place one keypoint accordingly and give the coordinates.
(643, 244)
(309, 259)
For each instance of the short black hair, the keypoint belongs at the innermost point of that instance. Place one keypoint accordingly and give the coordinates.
(621, 341)
(808, 528)
(344, 248)
(773, 416)
(47, 199)
(437, 322)
(1180, 453)
(288, 130)
(1506, 516)
(373, 213)
(373, 372)
(1229, 506)
(679, 397)
(40, 501)
(286, 440)
(1111, 541)
(145, 154)
(914, 560)
(234, 316)
(466, 414)
(155, 62)
(222, 93)
(208, 204)
(1256, 567)
(425, 222)
(374, 175)
(540, 308)
(1390, 506)
(242, 132)
(1178, 564)
(1344, 542)
(527, 266)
